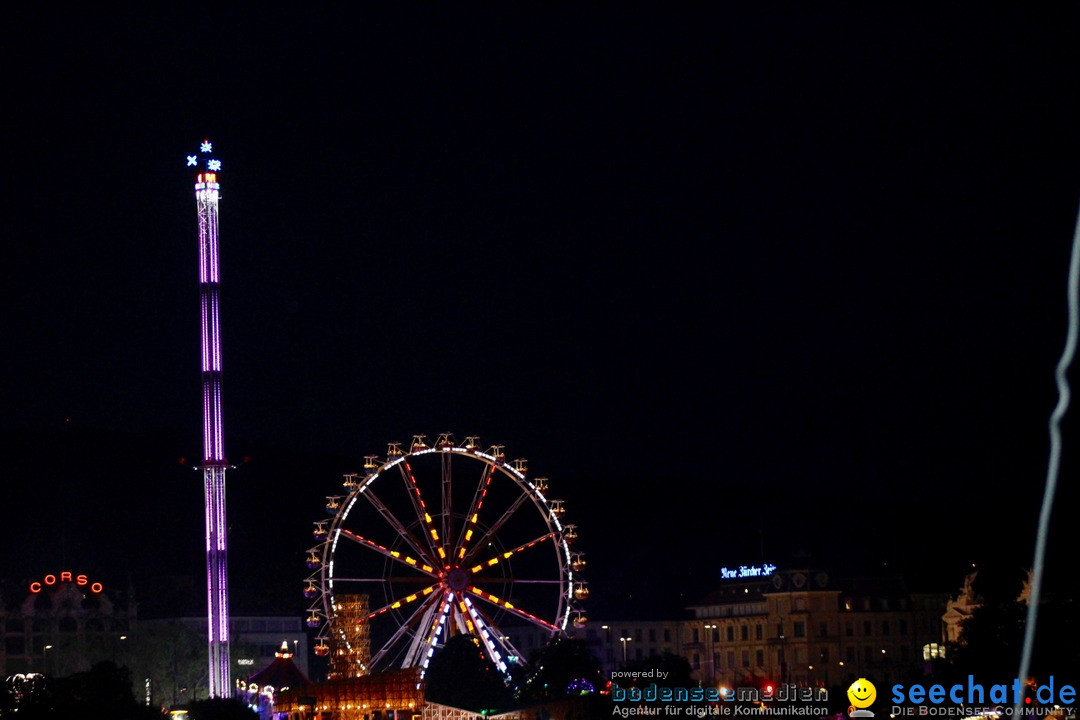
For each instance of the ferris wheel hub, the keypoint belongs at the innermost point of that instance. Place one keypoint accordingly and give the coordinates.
(458, 579)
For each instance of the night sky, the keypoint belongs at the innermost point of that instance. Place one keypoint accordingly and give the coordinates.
(744, 283)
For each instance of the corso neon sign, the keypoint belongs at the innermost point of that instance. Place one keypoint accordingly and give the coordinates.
(65, 577)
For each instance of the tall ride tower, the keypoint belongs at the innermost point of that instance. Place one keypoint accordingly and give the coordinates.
(214, 463)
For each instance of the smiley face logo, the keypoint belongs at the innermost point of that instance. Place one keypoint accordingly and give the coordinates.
(862, 693)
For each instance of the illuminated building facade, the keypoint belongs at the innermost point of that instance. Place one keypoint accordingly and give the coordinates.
(806, 627)
(62, 622)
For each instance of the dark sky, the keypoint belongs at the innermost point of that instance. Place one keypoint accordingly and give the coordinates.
(742, 282)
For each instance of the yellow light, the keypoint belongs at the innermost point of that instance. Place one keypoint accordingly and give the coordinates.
(434, 534)
(508, 553)
(468, 534)
(396, 605)
(428, 568)
(427, 518)
(474, 517)
(442, 553)
(395, 553)
(428, 591)
(461, 553)
(410, 598)
(492, 561)
(410, 561)
(478, 568)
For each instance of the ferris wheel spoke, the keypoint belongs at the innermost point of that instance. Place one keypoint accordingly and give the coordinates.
(490, 562)
(507, 606)
(496, 526)
(497, 634)
(488, 634)
(401, 602)
(447, 496)
(402, 629)
(469, 527)
(412, 489)
(392, 554)
(390, 518)
(435, 628)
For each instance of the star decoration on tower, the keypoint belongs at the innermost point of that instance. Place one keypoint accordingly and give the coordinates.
(213, 165)
(192, 160)
(206, 146)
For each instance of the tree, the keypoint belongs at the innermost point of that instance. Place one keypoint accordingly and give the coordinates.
(104, 691)
(676, 667)
(564, 666)
(221, 709)
(460, 675)
(173, 656)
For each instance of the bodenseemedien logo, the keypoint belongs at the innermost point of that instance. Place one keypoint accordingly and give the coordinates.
(862, 694)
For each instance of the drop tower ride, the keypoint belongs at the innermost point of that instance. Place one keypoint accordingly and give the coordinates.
(213, 466)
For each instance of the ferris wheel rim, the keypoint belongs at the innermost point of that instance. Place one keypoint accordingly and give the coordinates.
(433, 607)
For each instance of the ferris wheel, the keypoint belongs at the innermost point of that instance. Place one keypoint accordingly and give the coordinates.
(435, 541)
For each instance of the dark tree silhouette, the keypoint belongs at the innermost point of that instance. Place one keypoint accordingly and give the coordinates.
(676, 667)
(102, 692)
(460, 675)
(221, 709)
(558, 669)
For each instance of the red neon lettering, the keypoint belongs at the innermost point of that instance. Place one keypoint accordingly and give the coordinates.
(65, 576)
(50, 579)
(96, 587)
(80, 580)
(35, 587)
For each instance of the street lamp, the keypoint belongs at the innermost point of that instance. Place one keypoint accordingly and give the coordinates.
(45, 652)
(609, 651)
(624, 640)
(709, 628)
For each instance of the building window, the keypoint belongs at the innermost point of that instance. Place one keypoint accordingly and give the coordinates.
(731, 633)
(884, 627)
(761, 658)
(746, 658)
(823, 629)
(867, 629)
(800, 629)
(715, 634)
(695, 635)
(903, 627)
(759, 632)
(848, 629)
(933, 651)
(637, 635)
(849, 654)
(824, 654)
(667, 634)
(731, 658)
(697, 661)
(652, 635)
(744, 632)
(800, 603)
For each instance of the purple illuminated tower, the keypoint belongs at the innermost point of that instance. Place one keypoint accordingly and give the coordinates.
(213, 466)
